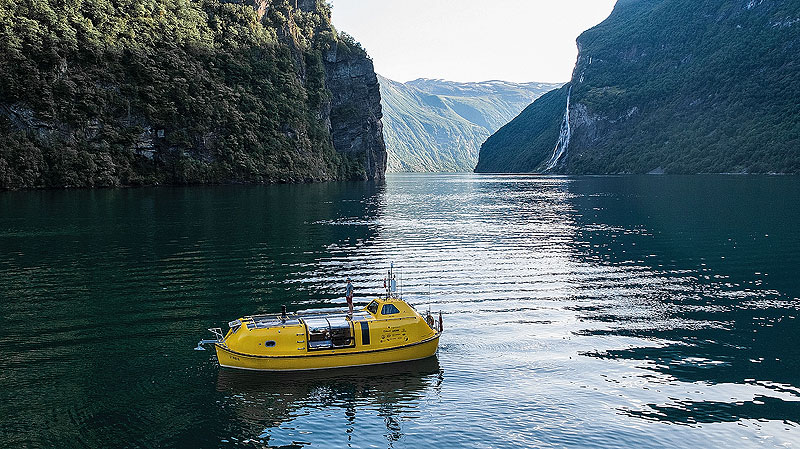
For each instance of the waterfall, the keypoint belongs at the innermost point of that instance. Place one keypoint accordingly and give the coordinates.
(563, 138)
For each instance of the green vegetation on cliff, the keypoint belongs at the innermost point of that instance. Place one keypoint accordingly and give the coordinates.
(528, 139)
(124, 92)
(675, 86)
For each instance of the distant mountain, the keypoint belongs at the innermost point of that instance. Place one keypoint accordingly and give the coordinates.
(436, 125)
(669, 86)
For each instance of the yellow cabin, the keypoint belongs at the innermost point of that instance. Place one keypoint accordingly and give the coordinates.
(387, 330)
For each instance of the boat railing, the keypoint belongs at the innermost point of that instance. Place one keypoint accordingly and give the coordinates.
(217, 331)
(326, 312)
(219, 338)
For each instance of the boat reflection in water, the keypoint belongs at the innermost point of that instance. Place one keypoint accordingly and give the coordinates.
(324, 407)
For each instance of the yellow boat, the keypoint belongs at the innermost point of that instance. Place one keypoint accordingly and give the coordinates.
(387, 330)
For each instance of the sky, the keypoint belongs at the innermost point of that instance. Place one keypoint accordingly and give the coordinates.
(471, 40)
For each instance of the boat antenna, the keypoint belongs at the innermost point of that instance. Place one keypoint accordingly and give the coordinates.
(391, 276)
(387, 282)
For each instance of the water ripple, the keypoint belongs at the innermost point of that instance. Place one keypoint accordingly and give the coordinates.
(592, 312)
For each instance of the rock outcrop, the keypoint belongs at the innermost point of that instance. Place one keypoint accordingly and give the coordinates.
(355, 107)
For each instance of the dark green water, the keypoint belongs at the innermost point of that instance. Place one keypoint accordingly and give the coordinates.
(593, 312)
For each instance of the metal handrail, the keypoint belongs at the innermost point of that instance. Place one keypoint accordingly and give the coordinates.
(219, 339)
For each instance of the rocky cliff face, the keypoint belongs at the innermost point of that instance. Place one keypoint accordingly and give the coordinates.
(204, 92)
(352, 111)
(669, 86)
(355, 107)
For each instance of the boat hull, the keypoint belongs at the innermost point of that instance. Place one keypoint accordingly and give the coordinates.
(231, 359)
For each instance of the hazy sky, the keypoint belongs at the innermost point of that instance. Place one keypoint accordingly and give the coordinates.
(471, 40)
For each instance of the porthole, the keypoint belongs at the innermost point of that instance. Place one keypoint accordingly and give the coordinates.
(270, 344)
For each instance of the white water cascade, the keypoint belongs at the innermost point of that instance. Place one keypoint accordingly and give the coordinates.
(563, 138)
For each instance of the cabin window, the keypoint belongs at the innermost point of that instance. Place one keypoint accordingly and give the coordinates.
(329, 333)
(319, 333)
(319, 339)
(389, 309)
(341, 332)
(270, 344)
(373, 307)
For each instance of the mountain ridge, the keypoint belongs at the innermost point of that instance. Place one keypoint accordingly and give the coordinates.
(433, 125)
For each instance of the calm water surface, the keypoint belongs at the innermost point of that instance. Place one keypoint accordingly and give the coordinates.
(593, 312)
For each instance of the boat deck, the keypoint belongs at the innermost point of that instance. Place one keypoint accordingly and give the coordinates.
(294, 319)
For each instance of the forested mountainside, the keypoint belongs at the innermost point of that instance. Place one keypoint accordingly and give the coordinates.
(438, 126)
(669, 86)
(121, 92)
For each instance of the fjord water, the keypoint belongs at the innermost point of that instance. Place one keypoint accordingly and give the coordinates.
(594, 311)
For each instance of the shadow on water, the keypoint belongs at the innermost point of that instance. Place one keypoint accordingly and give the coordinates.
(711, 265)
(105, 293)
(272, 407)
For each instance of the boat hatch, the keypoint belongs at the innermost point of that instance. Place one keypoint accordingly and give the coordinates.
(319, 333)
(328, 333)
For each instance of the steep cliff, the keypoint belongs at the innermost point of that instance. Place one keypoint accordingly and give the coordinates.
(438, 126)
(528, 140)
(356, 111)
(669, 86)
(107, 93)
